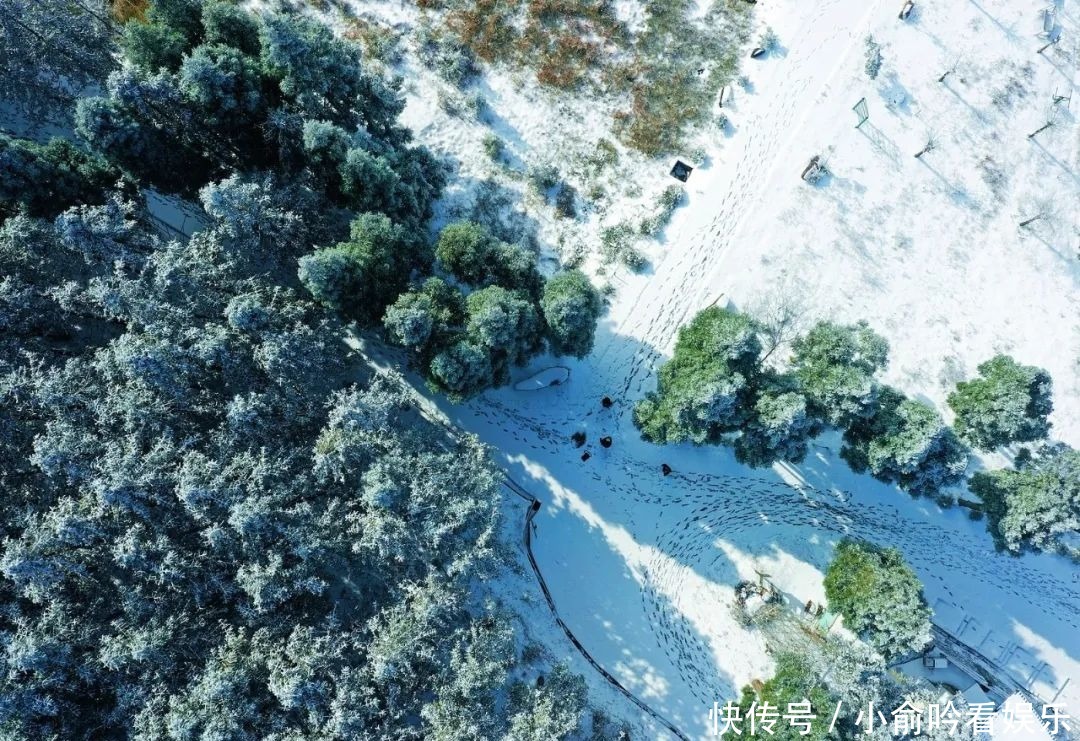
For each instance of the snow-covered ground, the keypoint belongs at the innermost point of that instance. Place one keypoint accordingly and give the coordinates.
(928, 250)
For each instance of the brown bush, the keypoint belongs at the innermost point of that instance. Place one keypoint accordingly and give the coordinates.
(127, 10)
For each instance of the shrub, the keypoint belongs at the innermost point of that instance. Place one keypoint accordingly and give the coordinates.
(493, 147)
(873, 58)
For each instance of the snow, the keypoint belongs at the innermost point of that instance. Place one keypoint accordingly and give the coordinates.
(642, 567)
(544, 379)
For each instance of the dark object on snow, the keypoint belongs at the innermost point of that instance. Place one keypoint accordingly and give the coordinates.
(665, 469)
(578, 438)
(586, 456)
(757, 52)
(540, 681)
(681, 170)
(906, 10)
(606, 442)
(606, 402)
(815, 171)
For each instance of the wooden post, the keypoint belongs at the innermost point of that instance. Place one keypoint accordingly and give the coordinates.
(1041, 129)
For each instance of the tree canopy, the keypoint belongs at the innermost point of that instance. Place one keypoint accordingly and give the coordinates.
(1030, 508)
(717, 389)
(215, 523)
(1007, 403)
(879, 597)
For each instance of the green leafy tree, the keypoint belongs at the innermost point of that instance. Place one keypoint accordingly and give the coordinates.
(46, 179)
(1032, 507)
(906, 442)
(794, 681)
(230, 25)
(363, 276)
(879, 596)
(780, 428)
(571, 309)
(706, 389)
(471, 254)
(1008, 403)
(835, 365)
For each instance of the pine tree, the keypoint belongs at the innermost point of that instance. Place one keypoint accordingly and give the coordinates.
(879, 596)
(1008, 403)
(835, 365)
(906, 442)
(571, 309)
(705, 390)
(1032, 507)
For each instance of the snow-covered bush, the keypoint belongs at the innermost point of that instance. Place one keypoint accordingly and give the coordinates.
(874, 59)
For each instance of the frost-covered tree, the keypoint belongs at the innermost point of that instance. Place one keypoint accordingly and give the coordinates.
(362, 276)
(906, 442)
(794, 681)
(1008, 403)
(44, 180)
(571, 307)
(462, 369)
(467, 704)
(879, 596)
(1032, 507)
(552, 711)
(706, 389)
(835, 365)
(50, 51)
(504, 322)
(421, 318)
(213, 526)
(225, 86)
(780, 428)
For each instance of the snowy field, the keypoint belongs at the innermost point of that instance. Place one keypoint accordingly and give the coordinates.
(928, 250)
